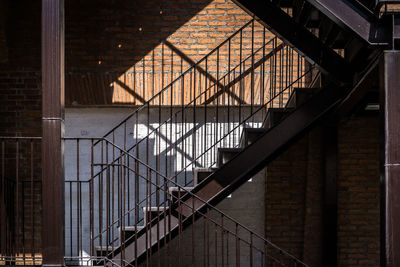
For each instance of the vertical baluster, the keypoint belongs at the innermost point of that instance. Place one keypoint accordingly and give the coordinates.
(136, 206)
(150, 214)
(152, 75)
(113, 199)
(262, 73)
(252, 73)
(180, 226)
(240, 75)
(158, 219)
(194, 122)
(91, 200)
(205, 113)
(100, 198)
(143, 79)
(275, 84)
(120, 201)
(229, 92)
(193, 232)
(128, 165)
(146, 218)
(217, 99)
(137, 168)
(32, 204)
(107, 169)
(16, 207)
(182, 125)
(70, 219)
(166, 220)
(78, 234)
(22, 244)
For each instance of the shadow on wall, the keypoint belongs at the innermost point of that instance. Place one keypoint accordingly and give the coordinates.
(105, 39)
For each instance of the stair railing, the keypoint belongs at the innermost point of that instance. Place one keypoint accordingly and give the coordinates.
(176, 223)
(190, 135)
(173, 94)
(20, 201)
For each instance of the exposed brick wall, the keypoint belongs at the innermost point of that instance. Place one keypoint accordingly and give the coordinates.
(110, 43)
(358, 192)
(20, 82)
(294, 195)
(312, 250)
(3, 41)
(293, 205)
(119, 34)
(285, 193)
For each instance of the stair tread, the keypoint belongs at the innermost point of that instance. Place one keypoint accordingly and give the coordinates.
(153, 208)
(176, 188)
(230, 149)
(132, 228)
(103, 248)
(249, 134)
(300, 94)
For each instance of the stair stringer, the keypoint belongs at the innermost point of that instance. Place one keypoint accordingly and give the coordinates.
(243, 166)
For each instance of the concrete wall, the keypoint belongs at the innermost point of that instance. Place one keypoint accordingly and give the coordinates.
(247, 206)
(94, 122)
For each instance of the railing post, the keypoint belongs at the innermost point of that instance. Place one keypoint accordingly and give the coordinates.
(52, 123)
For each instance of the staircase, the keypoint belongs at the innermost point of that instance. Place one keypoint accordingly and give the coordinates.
(195, 152)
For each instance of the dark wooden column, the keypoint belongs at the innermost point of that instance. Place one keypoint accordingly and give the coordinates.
(52, 125)
(390, 149)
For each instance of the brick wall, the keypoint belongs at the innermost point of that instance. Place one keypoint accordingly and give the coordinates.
(293, 199)
(3, 41)
(20, 102)
(294, 195)
(123, 52)
(104, 41)
(358, 192)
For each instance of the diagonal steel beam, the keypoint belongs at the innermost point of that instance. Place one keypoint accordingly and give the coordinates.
(355, 19)
(300, 38)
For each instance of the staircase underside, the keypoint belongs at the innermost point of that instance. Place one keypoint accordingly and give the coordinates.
(244, 164)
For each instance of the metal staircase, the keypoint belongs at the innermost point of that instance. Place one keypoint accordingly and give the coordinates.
(157, 176)
(200, 138)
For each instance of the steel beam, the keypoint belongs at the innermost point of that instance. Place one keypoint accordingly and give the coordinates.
(52, 127)
(352, 18)
(300, 38)
(390, 161)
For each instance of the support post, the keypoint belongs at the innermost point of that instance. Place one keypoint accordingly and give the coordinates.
(52, 127)
(390, 158)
